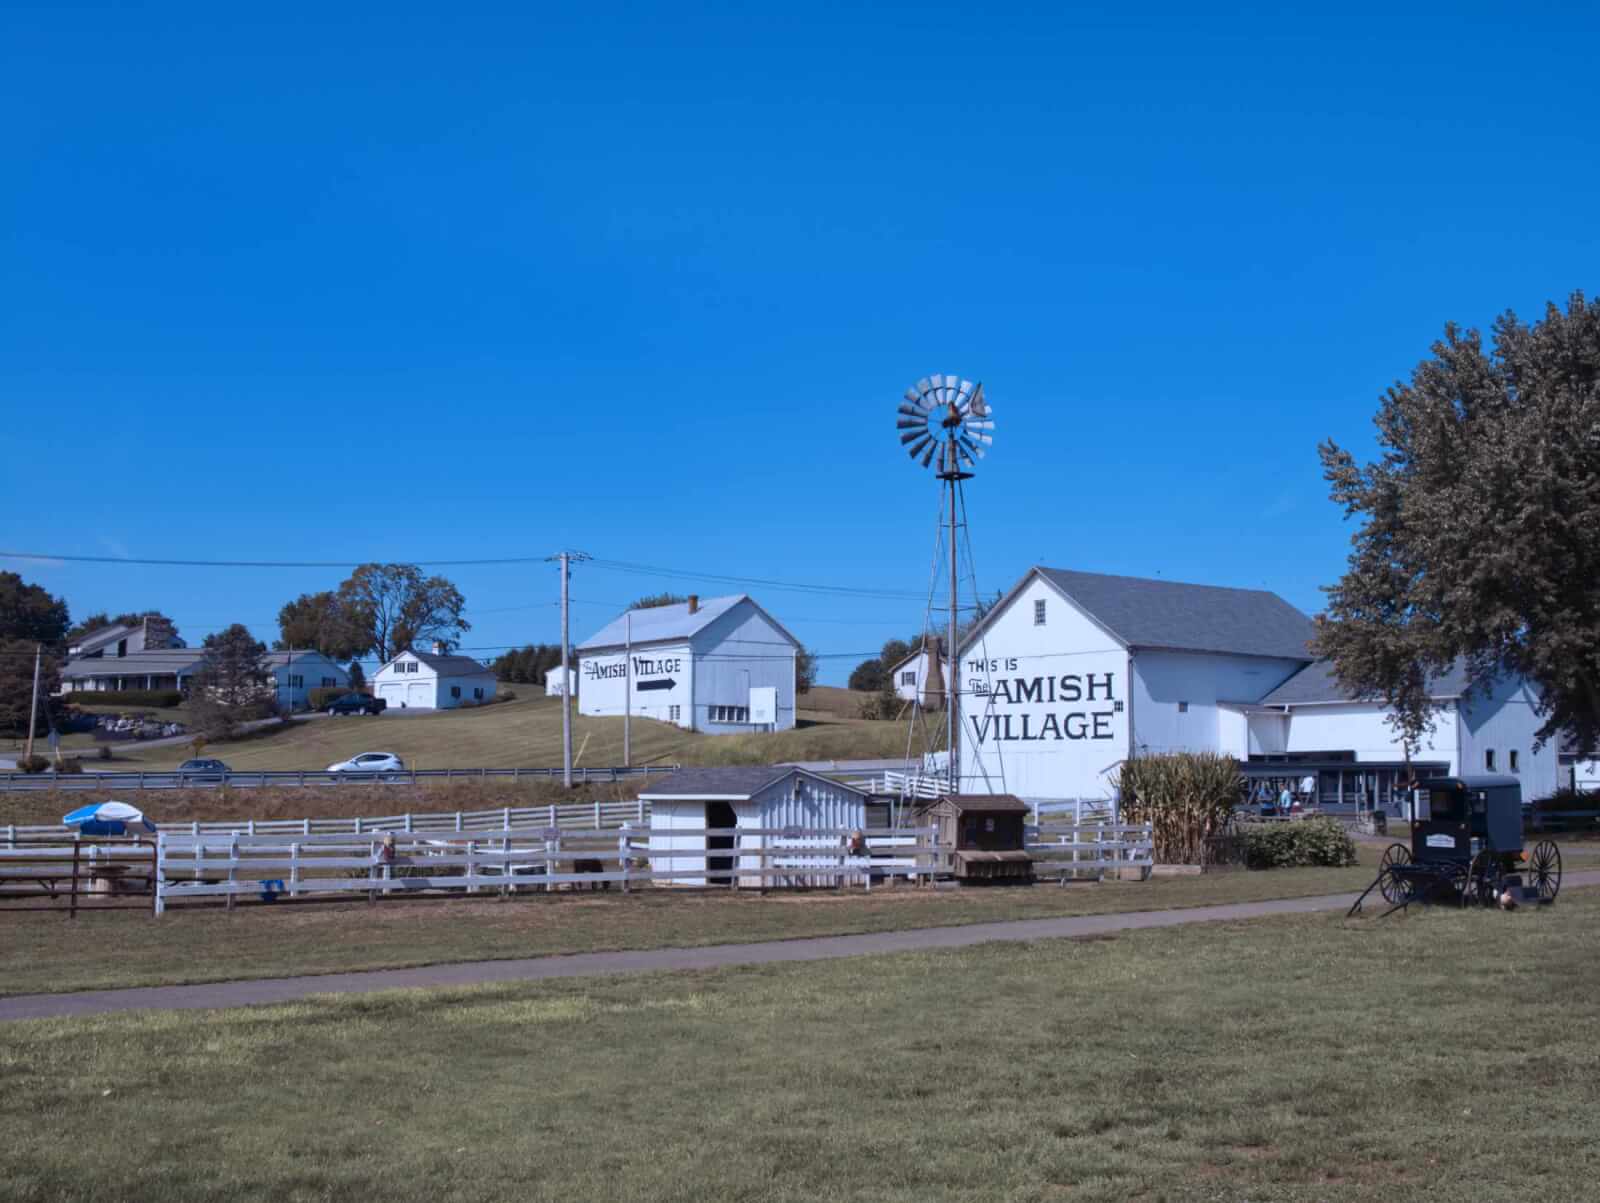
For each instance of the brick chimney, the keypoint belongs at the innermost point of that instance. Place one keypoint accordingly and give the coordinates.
(158, 632)
(438, 648)
(694, 603)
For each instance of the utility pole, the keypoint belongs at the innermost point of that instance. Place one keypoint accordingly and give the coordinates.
(33, 701)
(565, 559)
(627, 689)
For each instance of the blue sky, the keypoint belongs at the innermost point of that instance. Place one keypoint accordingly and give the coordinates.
(425, 283)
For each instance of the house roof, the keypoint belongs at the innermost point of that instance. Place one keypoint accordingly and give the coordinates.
(103, 635)
(162, 660)
(277, 658)
(655, 624)
(730, 781)
(1172, 616)
(449, 666)
(935, 646)
(1316, 683)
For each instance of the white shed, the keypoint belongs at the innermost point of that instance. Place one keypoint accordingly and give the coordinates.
(747, 798)
(555, 681)
(723, 667)
(433, 681)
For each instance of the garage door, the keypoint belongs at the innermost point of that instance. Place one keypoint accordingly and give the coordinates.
(393, 694)
(418, 694)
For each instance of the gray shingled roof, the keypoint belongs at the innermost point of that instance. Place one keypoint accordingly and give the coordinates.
(454, 666)
(1193, 618)
(741, 780)
(1317, 683)
(161, 661)
(653, 624)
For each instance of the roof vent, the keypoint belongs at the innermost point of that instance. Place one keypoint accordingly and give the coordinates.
(694, 603)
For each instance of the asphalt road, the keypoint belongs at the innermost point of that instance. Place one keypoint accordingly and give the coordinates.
(595, 964)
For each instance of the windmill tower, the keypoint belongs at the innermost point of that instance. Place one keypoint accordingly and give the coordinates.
(945, 423)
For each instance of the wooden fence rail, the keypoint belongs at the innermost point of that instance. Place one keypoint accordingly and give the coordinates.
(1066, 850)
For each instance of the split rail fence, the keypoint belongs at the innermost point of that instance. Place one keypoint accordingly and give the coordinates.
(510, 860)
(110, 874)
(1068, 850)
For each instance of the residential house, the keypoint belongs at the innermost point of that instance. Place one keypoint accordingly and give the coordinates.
(435, 680)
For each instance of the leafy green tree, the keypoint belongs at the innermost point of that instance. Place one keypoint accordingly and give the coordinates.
(1480, 526)
(326, 623)
(358, 677)
(805, 670)
(29, 612)
(654, 600)
(16, 687)
(398, 607)
(233, 667)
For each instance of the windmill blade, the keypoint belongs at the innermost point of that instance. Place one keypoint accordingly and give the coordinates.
(980, 424)
(927, 456)
(917, 423)
(923, 387)
(912, 411)
(972, 449)
(937, 380)
(913, 396)
(966, 388)
(918, 448)
(913, 435)
(980, 407)
(963, 453)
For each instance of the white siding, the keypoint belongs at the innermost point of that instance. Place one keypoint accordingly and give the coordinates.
(1044, 708)
(1506, 721)
(1360, 727)
(603, 683)
(820, 804)
(1175, 696)
(739, 652)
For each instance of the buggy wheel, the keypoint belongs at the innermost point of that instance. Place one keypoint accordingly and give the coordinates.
(1483, 879)
(1544, 870)
(1394, 887)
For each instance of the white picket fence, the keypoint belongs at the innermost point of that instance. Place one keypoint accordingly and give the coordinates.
(377, 864)
(1067, 850)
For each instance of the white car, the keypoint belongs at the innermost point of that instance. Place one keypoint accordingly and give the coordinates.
(370, 762)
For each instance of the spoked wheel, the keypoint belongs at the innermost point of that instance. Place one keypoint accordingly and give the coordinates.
(1544, 870)
(1394, 887)
(1484, 879)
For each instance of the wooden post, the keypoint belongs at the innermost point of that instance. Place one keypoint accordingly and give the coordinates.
(294, 869)
(233, 872)
(72, 912)
(472, 852)
(622, 858)
(158, 874)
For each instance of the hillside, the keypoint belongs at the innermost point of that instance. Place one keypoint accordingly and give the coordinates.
(527, 732)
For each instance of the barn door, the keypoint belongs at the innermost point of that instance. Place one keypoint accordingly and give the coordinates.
(719, 816)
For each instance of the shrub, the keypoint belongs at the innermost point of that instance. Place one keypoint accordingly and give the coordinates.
(33, 764)
(1293, 845)
(162, 698)
(883, 704)
(1186, 797)
(69, 767)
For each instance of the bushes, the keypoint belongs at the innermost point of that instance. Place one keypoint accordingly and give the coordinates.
(159, 698)
(1304, 842)
(33, 764)
(1186, 797)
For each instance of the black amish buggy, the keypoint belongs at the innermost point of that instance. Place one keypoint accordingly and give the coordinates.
(1466, 849)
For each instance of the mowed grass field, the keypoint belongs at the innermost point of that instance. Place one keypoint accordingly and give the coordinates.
(44, 952)
(1448, 1055)
(526, 732)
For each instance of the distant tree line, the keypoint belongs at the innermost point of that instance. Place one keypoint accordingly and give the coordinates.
(527, 665)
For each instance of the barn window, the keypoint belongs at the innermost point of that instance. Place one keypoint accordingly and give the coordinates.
(1183, 707)
(1488, 760)
(1038, 613)
(455, 691)
(297, 682)
(477, 692)
(1511, 760)
(328, 681)
(909, 677)
(672, 713)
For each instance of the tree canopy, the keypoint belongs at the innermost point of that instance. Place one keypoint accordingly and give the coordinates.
(326, 622)
(30, 612)
(653, 600)
(1480, 526)
(396, 607)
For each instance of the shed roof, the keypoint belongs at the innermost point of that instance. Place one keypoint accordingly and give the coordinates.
(1182, 617)
(731, 781)
(978, 803)
(654, 624)
(1316, 684)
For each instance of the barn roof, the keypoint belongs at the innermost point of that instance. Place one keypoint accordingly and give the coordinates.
(655, 624)
(730, 781)
(1316, 683)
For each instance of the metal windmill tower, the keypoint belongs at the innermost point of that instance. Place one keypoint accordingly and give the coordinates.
(945, 423)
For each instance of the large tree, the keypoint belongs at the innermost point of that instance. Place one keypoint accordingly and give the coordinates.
(16, 687)
(325, 622)
(29, 612)
(1480, 526)
(805, 670)
(400, 607)
(231, 682)
(654, 601)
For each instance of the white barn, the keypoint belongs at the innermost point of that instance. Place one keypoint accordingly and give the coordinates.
(555, 682)
(746, 799)
(721, 667)
(433, 681)
(1073, 672)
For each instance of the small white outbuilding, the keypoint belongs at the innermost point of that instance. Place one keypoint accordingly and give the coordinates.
(555, 681)
(433, 681)
(743, 800)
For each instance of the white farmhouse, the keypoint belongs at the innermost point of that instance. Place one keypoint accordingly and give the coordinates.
(1073, 672)
(296, 674)
(555, 682)
(433, 680)
(722, 667)
(920, 676)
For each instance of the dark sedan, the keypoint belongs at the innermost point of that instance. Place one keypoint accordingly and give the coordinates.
(204, 770)
(356, 703)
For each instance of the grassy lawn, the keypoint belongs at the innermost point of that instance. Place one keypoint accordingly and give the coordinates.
(527, 732)
(45, 952)
(1448, 1055)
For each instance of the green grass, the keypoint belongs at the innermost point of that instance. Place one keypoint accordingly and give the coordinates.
(1444, 1056)
(46, 952)
(527, 732)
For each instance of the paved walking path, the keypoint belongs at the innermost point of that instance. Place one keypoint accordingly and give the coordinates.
(717, 956)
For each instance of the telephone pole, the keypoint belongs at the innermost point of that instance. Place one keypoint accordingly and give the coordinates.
(33, 701)
(566, 559)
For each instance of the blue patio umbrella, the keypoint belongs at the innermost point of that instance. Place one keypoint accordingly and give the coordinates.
(109, 818)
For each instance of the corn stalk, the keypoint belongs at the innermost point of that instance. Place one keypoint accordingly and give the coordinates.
(1186, 797)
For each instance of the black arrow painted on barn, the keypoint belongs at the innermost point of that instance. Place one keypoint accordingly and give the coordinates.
(644, 685)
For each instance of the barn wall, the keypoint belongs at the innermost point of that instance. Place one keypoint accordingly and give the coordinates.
(738, 652)
(1359, 727)
(821, 804)
(1506, 720)
(1032, 722)
(603, 683)
(678, 815)
(1175, 696)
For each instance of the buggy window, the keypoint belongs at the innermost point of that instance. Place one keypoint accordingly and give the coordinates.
(1447, 805)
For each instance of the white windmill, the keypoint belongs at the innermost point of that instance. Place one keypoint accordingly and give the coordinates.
(946, 423)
